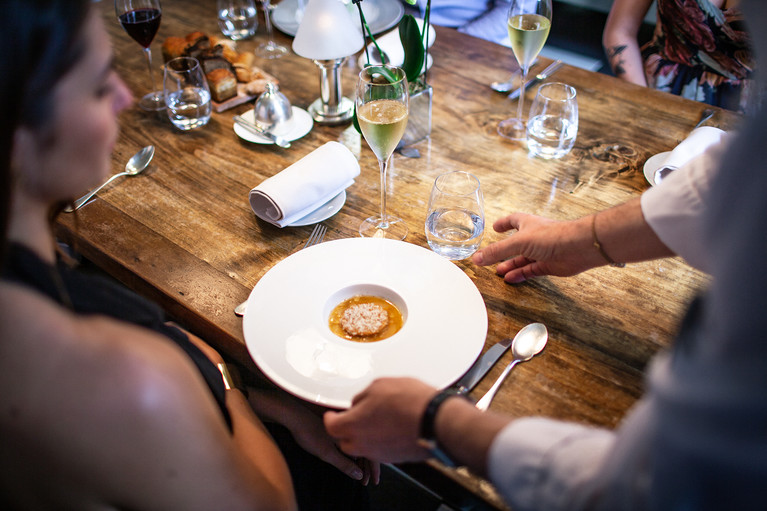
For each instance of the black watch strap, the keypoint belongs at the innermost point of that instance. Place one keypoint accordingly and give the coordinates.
(428, 435)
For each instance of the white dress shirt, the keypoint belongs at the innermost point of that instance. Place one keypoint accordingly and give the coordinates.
(697, 440)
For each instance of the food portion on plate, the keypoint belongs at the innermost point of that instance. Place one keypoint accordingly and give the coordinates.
(365, 318)
(232, 76)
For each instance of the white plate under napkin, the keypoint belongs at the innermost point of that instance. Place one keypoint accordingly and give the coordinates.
(306, 185)
(694, 145)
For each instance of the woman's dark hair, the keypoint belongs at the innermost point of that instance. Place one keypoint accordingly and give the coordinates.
(41, 41)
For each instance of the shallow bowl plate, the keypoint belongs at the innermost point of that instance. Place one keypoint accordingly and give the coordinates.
(286, 325)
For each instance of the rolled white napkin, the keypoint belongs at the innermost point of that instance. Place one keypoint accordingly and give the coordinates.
(695, 144)
(305, 185)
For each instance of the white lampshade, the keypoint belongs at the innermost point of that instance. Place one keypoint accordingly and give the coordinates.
(327, 31)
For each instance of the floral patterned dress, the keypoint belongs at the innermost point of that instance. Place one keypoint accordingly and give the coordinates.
(700, 52)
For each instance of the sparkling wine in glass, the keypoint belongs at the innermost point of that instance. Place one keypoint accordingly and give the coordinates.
(529, 22)
(382, 111)
(269, 49)
(141, 19)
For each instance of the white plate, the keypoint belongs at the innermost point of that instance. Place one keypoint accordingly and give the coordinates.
(324, 212)
(300, 124)
(652, 164)
(380, 15)
(286, 324)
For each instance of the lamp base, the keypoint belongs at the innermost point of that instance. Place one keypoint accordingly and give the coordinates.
(323, 113)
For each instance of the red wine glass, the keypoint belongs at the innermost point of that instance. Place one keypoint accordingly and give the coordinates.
(141, 19)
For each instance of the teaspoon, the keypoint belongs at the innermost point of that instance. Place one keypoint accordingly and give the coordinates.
(135, 165)
(526, 344)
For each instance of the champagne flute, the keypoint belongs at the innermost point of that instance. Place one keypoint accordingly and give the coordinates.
(269, 49)
(529, 22)
(141, 19)
(382, 111)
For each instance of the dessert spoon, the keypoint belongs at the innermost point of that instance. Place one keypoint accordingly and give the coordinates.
(526, 344)
(135, 165)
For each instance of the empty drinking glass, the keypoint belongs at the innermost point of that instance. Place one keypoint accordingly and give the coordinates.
(186, 94)
(238, 19)
(455, 219)
(553, 121)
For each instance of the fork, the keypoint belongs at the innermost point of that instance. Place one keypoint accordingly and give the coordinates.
(315, 238)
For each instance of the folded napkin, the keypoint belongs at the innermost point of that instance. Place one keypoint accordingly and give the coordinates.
(306, 185)
(695, 144)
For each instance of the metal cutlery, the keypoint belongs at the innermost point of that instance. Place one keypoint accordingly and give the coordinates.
(508, 84)
(526, 344)
(315, 238)
(482, 366)
(135, 165)
(258, 130)
(550, 69)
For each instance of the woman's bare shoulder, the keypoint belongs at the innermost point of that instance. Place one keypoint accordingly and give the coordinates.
(119, 406)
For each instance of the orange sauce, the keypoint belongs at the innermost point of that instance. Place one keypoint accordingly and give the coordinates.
(394, 325)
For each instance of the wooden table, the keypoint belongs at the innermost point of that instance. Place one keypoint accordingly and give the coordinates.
(183, 233)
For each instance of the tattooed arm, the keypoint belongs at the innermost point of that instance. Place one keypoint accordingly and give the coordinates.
(620, 39)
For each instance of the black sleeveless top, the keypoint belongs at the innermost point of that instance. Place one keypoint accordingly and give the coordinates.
(94, 294)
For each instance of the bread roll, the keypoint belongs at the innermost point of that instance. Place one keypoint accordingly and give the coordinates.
(174, 47)
(222, 83)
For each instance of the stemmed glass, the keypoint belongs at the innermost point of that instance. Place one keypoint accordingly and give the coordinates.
(237, 18)
(529, 22)
(269, 49)
(141, 19)
(382, 111)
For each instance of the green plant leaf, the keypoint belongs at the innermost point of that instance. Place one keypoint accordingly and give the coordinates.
(412, 2)
(355, 122)
(412, 43)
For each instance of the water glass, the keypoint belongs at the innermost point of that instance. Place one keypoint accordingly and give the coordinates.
(455, 219)
(238, 19)
(186, 94)
(553, 121)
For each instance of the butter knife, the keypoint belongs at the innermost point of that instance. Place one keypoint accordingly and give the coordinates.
(538, 78)
(258, 130)
(482, 366)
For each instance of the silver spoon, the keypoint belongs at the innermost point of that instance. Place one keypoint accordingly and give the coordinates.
(526, 344)
(135, 165)
(664, 171)
(508, 84)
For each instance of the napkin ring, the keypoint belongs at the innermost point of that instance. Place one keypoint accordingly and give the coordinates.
(599, 247)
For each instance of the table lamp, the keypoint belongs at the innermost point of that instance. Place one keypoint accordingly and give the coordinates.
(328, 33)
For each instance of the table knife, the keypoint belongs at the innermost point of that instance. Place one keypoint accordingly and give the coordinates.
(258, 130)
(482, 366)
(538, 78)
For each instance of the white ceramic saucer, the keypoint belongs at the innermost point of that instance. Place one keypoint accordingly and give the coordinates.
(300, 124)
(652, 164)
(324, 212)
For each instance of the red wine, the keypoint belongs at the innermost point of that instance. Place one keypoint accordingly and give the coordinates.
(141, 24)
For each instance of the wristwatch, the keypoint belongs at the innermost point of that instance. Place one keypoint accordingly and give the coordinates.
(428, 436)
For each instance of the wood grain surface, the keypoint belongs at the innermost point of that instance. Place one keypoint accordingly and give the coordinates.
(183, 234)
